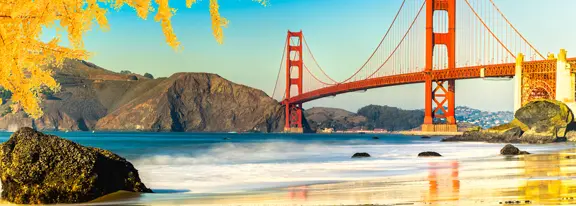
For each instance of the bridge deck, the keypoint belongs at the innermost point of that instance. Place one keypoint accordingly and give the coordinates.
(496, 70)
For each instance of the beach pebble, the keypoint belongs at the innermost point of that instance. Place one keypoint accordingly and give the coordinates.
(429, 154)
(360, 155)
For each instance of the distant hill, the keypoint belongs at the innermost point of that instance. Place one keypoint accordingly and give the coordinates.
(391, 118)
(481, 118)
(93, 98)
(368, 117)
(339, 119)
(396, 119)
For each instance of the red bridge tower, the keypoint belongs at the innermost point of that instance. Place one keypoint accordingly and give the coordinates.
(294, 65)
(440, 95)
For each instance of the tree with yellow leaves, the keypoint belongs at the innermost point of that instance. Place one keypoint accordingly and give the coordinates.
(25, 60)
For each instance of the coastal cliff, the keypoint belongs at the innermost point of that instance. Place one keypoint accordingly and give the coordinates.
(93, 98)
(195, 102)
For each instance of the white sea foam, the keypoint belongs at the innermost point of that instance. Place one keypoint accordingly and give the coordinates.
(235, 167)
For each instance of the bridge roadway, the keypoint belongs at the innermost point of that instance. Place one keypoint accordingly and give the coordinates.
(495, 70)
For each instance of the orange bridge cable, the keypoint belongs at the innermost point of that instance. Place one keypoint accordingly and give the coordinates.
(400, 43)
(379, 44)
(514, 28)
(314, 76)
(489, 30)
(280, 70)
(312, 55)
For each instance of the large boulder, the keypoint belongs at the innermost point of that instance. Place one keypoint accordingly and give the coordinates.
(44, 169)
(539, 121)
(545, 118)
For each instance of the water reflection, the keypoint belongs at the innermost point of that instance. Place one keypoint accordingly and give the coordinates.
(522, 180)
(298, 193)
(443, 182)
(549, 179)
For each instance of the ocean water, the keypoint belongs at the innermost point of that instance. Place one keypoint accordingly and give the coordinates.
(190, 164)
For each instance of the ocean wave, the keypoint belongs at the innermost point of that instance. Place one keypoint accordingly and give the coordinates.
(230, 167)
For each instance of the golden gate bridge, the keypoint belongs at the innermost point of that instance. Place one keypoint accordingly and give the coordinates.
(434, 42)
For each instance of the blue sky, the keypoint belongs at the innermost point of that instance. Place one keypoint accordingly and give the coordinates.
(255, 36)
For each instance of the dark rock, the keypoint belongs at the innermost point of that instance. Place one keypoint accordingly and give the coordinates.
(425, 137)
(46, 169)
(226, 138)
(509, 150)
(429, 154)
(360, 155)
(375, 137)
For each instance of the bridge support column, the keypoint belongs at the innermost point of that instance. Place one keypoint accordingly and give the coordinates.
(518, 82)
(294, 65)
(438, 92)
(565, 81)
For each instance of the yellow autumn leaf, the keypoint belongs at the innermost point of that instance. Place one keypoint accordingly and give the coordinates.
(25, 60)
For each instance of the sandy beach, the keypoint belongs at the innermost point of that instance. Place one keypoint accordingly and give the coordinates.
(538, 179)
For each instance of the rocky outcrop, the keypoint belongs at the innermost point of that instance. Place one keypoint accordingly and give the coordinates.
(360, 155)
(44, 169)
(93, 98)
(509, 150)
(539, 121)
(429, 154)
(512, 150)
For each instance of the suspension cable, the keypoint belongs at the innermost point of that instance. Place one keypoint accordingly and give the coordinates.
(314, 76)
(489, 30)
(402, 40)
(379, 45)
(312, 55)
(280, 70)
(514, 28)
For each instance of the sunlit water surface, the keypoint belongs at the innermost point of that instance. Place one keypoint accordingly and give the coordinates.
(203, 168)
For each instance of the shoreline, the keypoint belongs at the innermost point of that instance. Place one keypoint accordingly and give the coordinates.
(542, 178)
(421, 133)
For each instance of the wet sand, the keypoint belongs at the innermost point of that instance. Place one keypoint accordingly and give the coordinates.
(538, 179)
